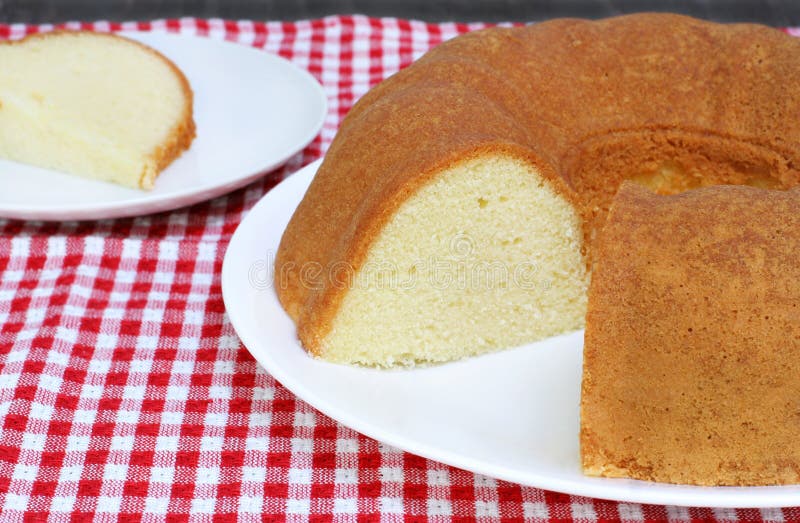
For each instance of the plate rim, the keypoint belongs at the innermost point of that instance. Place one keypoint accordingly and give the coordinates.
(612, 489)
(151, 204)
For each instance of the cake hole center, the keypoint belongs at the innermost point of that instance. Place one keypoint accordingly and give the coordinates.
(671, 178)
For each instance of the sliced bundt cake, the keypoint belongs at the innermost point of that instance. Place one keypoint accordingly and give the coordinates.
(513, 141)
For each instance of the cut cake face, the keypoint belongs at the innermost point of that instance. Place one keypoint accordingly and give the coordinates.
(484, 256)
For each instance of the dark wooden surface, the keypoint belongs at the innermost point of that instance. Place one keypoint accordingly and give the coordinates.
(771, 12)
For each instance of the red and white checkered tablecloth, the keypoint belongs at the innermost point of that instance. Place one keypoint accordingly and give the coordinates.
(126, 395)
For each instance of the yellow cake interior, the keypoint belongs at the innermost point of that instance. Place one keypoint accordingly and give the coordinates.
(485, 256)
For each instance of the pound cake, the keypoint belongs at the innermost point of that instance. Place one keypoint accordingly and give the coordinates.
(92, 104)
(692, 344)
(456, 209)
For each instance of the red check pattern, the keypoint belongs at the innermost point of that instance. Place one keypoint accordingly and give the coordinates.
(126, 395)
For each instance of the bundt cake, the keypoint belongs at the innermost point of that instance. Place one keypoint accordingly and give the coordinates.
(457, 206)
(92, 104)
(692, 344)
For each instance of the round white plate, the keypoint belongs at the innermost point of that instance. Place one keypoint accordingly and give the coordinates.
(512, 415)
(253, 111)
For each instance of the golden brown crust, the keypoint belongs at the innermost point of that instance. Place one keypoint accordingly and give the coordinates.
(182, 134)
(692, 343)
(179, 140)
(562, 94)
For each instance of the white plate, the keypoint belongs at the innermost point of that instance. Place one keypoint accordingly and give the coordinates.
(253, 111)
(512, 415)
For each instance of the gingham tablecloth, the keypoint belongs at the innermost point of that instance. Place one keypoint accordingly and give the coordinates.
(126, 395)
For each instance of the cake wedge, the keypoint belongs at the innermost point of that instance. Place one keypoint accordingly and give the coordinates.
(92, 104)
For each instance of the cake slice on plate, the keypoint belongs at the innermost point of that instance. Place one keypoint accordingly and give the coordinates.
(92, 104)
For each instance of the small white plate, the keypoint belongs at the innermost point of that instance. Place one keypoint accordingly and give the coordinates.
(253, 111)
(512, 415)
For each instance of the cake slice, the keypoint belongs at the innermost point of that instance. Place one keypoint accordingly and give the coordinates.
(93, 104)
(692, 345)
